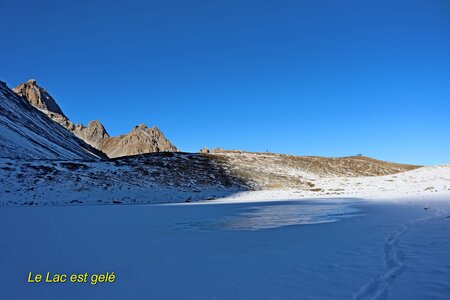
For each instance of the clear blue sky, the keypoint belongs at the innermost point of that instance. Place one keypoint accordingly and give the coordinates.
(330, 78)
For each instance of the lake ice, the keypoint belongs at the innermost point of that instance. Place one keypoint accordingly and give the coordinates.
(317, 249)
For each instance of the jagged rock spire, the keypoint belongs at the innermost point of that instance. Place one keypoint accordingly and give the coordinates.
(38, 97)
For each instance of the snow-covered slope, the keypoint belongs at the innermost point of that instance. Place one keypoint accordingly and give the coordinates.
(27, 133)
(264, 171)
(425, 182)
(177, 177)
(150, 178)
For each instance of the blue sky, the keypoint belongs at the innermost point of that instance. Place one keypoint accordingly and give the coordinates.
(329, 78)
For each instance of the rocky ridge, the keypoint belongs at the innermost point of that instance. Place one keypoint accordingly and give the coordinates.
(27, 133)
(141, 139)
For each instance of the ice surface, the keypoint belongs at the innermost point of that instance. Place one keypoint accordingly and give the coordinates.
(273, 215)
(396, 250)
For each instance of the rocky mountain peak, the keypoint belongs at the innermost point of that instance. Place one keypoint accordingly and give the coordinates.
(141, 126)
(27, 132)
(141, 139)
(96, 125)
(38, 97)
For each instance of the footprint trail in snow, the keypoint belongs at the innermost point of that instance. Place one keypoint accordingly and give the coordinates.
(394, 261)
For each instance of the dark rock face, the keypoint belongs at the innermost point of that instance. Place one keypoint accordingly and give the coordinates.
(138, 141)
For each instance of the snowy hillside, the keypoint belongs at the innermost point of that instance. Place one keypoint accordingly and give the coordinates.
(280, 171)
(150, 178)
(27, 133)
(42, 163)
(178, 177)
(424, 182)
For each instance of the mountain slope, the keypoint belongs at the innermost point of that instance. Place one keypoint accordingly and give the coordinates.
(140, 140)
(27, 133)
(275, 171)
(176, 177)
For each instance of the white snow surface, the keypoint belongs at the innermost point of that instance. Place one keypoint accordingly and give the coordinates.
(381, 237)
(152, 178)
(180, 177)
(425, 182)
(304, 249)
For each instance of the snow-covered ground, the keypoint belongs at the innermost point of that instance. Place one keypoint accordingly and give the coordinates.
(179, 177)
(152, 178)
(305, 249)
(422, 183)
(379, 237)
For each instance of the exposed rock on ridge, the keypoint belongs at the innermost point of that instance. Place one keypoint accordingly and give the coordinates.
(38, 97)
(27, 133)
(94, 134)
(138, 141)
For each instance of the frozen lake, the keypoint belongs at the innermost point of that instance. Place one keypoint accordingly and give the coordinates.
(318, 249)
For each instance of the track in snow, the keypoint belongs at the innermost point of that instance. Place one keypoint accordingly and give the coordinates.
(394, 261)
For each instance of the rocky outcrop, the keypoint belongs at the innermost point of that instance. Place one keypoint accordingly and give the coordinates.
(27, 133)
(138, 141)
(94, 134)
(38, 97)
(204, 150)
